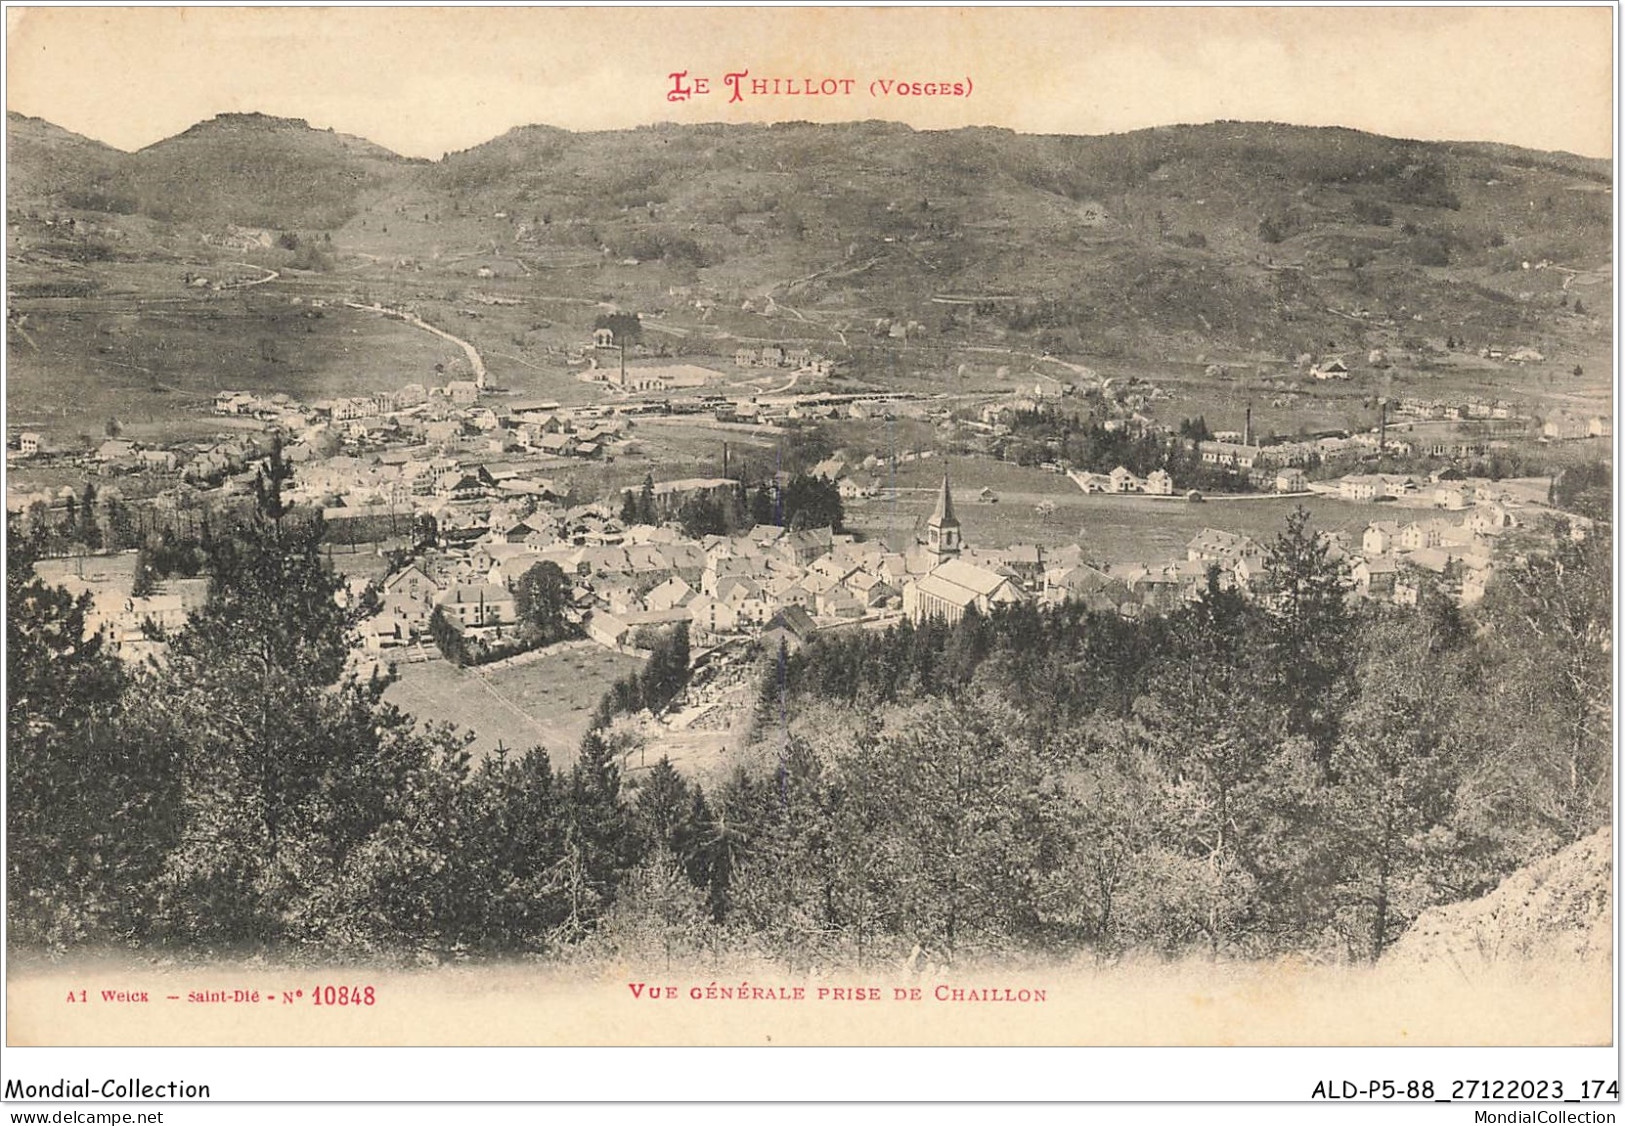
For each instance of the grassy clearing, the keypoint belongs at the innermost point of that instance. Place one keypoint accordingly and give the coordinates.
(155, 360)
(1113, 529)
(546, 702)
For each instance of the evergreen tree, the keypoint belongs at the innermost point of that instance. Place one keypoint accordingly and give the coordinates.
(646, 500)
(268, 739)
(1310, 631)
(89, 805)
(761, 506)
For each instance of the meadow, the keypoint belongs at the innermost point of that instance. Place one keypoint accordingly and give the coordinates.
(543, 702)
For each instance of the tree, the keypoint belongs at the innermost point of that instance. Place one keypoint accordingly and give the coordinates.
(144, 583)
(541, 597)
(627, 327)
(89, 806)
(274, 751)
(1226, 784)
(1310, 624)
(629, 508)
(448, 638)
(268, 482)
(88, 531)
(598, 846)
(761, 506)
(425, 531)
(646, 500)
(701, 516)
(1395, 780)
(811, 502)
(1549, 642)
(943, 805)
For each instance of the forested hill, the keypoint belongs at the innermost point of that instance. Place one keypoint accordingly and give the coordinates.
(1245, 235)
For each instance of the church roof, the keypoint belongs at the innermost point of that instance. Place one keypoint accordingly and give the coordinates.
(945, 507)
(962, 583)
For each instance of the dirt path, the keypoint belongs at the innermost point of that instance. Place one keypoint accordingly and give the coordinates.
(474, 360)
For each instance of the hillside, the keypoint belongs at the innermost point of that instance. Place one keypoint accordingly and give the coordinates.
(1557, 909)
(50, 166)
(1242, 240)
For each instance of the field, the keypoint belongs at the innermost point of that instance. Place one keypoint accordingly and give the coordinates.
(546, 702)
(1111, 529)
(153, 354)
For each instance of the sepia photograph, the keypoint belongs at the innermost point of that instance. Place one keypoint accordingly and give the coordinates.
(831, 527)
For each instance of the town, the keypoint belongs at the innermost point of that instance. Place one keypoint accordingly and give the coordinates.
(437, 502)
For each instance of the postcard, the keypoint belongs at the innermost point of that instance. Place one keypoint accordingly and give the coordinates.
(1061, 528)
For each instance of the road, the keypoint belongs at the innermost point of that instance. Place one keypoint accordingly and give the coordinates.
(475, 362)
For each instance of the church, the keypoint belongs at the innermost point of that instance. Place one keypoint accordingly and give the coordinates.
(952, 584)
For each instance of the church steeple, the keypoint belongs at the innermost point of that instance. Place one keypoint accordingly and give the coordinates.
(942, 535)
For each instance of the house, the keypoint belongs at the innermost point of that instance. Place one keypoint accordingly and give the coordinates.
(1452, 497)
(607, 629)
(1418, 536)
(1290, 480)
(1080, 582)
(712, 616)
(1123, 481)
(1375, 576)
(807, 545)
(840, 602)
(1490, 519)
(1366, 487)
(1159, 484)
(1379, 537)
(791, 628)
(1334, 368)
(462, 392)
(559, 445)
(670, 496)
(28, 443)
(478, 604)
(1231, 455)
(872, 590)
(673, 592)
(1211, 545)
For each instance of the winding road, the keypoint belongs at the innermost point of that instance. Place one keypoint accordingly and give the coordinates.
(474, 360)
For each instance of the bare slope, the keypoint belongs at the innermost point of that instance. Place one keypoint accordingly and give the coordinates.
(1557, 910)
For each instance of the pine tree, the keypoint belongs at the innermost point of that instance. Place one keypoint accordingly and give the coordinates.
(646, 500)
(251, 705)
(89, 804)
(1310, 631)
